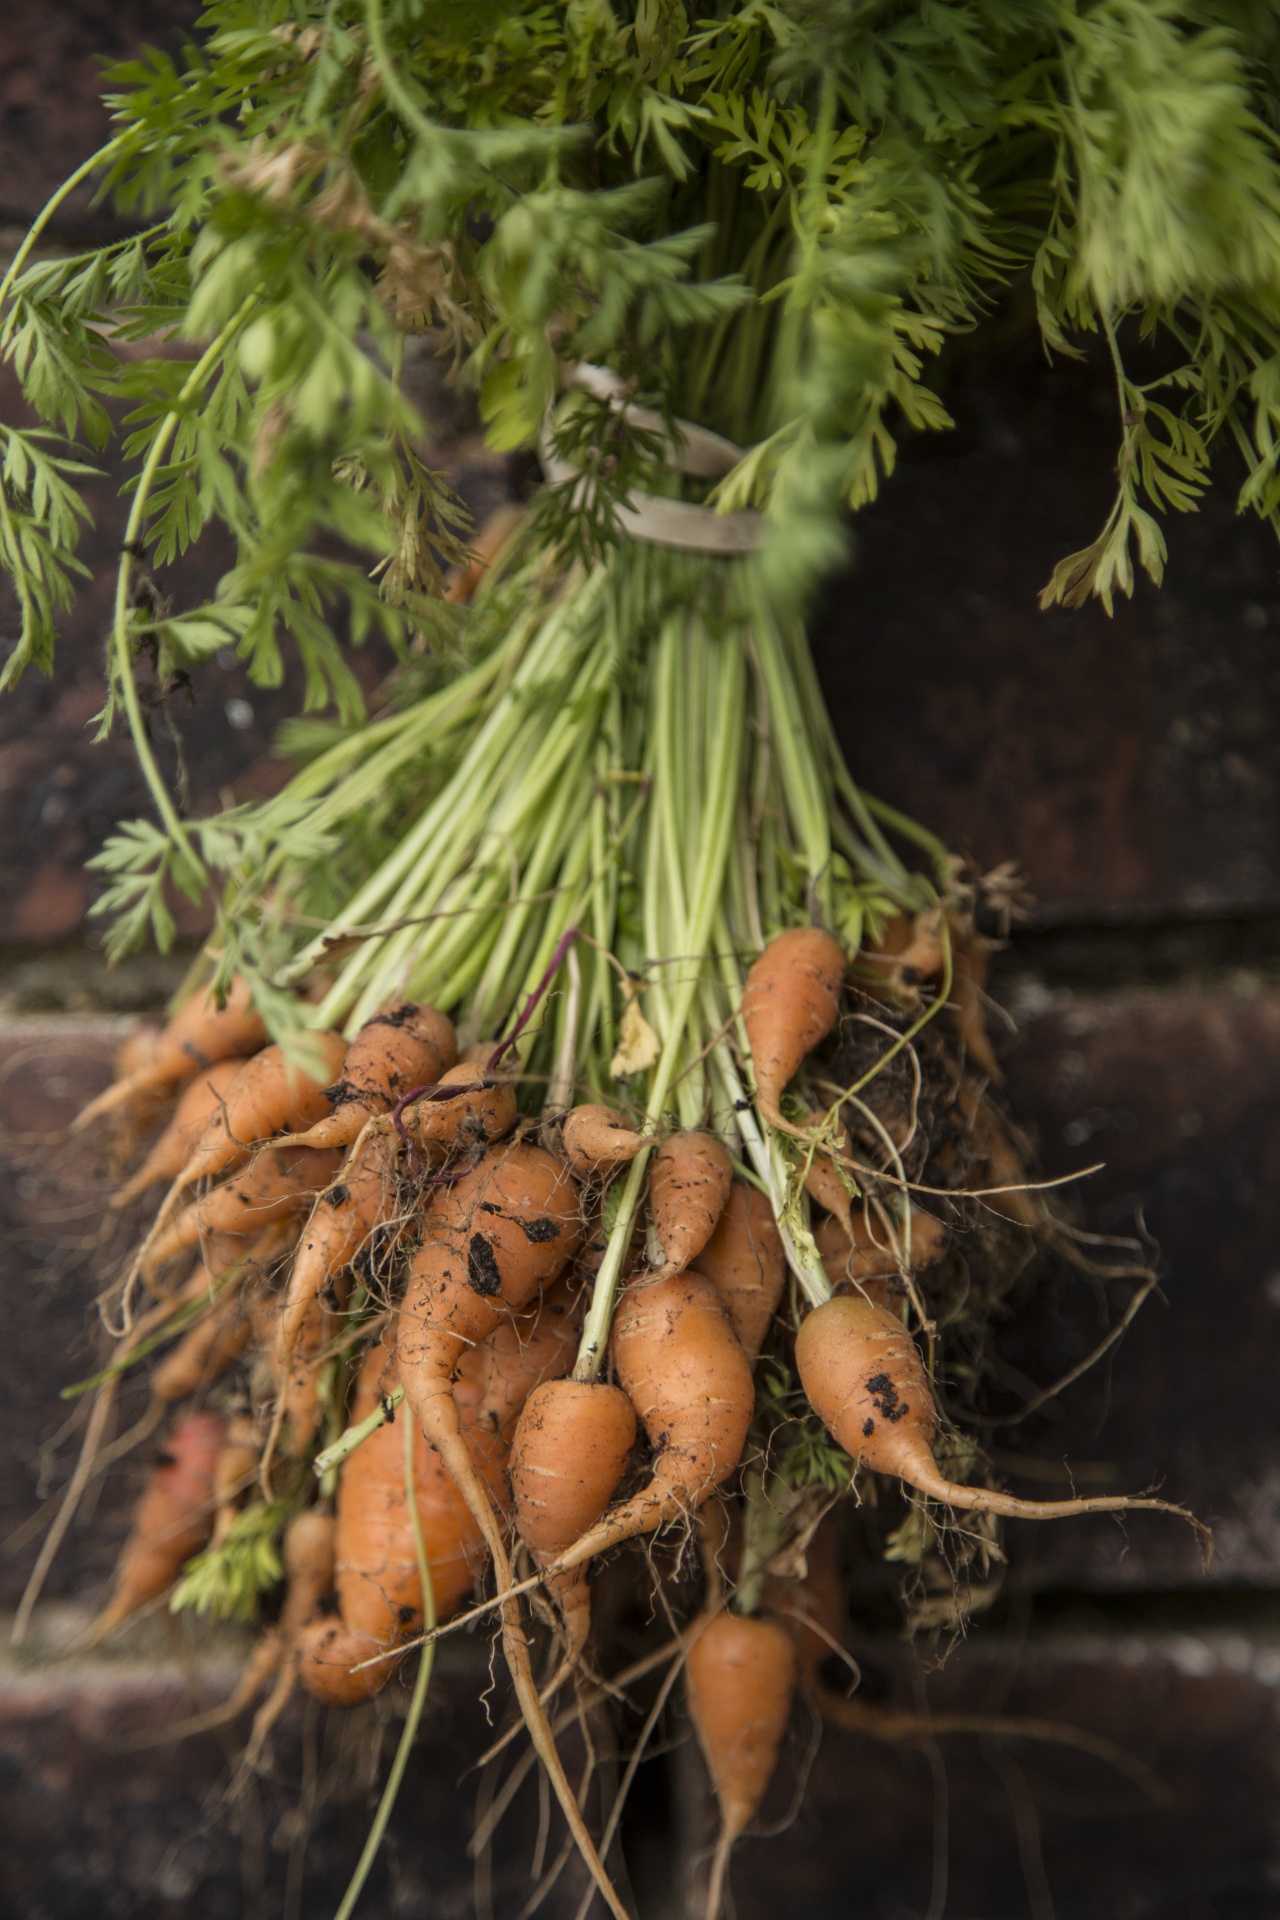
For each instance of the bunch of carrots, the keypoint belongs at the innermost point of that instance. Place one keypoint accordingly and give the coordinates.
(451, 1336)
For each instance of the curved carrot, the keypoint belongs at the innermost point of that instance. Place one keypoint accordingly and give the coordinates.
(745, 1261)
(466, 1108)
(678, 1360)
(269, 1095)
(790, 1002)
(865, 1380)
(597, 1139)
(405, 1046)
(689, 1180)
(200, 1032)
(344, 1216)
(279, 1182)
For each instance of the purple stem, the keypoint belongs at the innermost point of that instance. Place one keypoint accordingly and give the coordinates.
(504, 1046)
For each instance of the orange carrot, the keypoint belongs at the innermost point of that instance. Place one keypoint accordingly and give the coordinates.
(689, 1181)
(865, 1380)
(279, 1182)
(790, 1002)
(234, 1468)
(379, 1591)
(170, 1153)
(678, 1360)
(405, 1046)
(200, 1032)
(496, 1377)
(862, 1253)
(173, 1521)
(740, 1678)
(745, 1262)
(218, 1338)
(907, 953)
(268, 1096)
(597, 1139)
(480, 1111)
(342, 1220)
(492, 1239)
(571, 1448)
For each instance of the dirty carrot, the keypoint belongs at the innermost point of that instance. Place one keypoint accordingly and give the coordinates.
(790, 1002)
(200, 1033)
(597, 1139)
(689, 1180)
(404, 1046)
(745, 1261)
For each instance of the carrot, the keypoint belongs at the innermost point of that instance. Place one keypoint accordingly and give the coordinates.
(492, 1239)
(908, 952)
(269, 1095)
(597, 1139)
(342, 1220)
(823, 1184)
(865, 1380)
(405, 1046)
(170, 1153)
(571, 1447)
(379, 1591)
(173, 1521)
(740, 1678)
(1004, 1167)
(298, 1382)
(689, 1181)
(279, 1182)
(216, 1340)
(678, 1360)
(496, 1377)
(200, 1032)
(968, 978)
(745, 1262)
(862, 1253)
(790, 1002)
(466, 1109)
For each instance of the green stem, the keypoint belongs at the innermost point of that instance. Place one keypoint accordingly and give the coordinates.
(413, 1719)
(50, 207)
(720, 807)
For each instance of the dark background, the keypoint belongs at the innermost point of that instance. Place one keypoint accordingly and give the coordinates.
(1130, 767)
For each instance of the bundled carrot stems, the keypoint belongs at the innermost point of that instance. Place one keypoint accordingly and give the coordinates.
(580, 1135)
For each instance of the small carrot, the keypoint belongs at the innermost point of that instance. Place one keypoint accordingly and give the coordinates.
(496, 1378)
(790, 1002)
(405, 1046)
(341, 1222)
(280, 1181)
(679, 1362)
(861, 1252)
(740, 1679)
(865, 1380)
(379, 1592)
(217, 1338)
(466, 1109)
(598, 1139)
(173, 1521)
(200, 1032)
(268, 1096)
(689, 1180)
(965, 1005)
(571, 1447)
(235, 1467)
(200, 1100)
(745, 1262)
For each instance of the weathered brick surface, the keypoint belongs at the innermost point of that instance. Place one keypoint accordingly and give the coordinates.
(1131, 765)
(1177, 1093)
(93, 1822)
(1032, 1827)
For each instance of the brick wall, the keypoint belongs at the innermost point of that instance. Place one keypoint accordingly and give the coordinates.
(1130, 766)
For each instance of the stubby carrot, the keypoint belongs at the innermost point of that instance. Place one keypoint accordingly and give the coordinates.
(790, 1002)
(404, 1046)
(597, 1139)
(467, 1109)
(745, 1262)
(689, 1180)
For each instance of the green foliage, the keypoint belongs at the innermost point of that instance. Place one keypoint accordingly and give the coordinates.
(769, 218)
(229, 1580)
